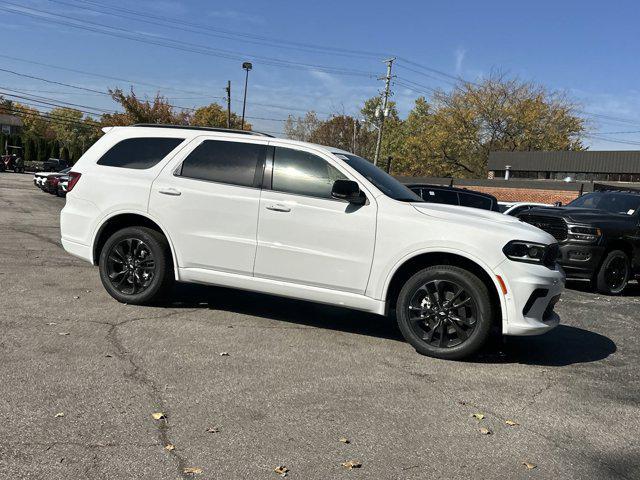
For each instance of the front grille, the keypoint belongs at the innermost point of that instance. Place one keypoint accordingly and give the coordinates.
(555, 226)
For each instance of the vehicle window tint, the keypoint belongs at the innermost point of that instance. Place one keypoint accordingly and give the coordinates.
(303, 173)
(475, 201)
(433, 195)
(224, 162)
(139, 153)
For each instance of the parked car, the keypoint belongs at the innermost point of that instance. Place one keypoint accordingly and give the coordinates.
(12, 162)
(152, 204)
(40, 177)
(454, 196)
(514, 208)
(599, 235)
(54, 165)
(48, 181)
(63, 182)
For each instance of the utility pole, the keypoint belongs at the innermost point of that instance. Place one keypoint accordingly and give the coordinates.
(383, 112)
(355, 126)
(228, 89)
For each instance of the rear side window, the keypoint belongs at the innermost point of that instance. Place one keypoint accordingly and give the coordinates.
(433, 195)
(303, 173)
(139, 153)
(234, 163)
(475, 201)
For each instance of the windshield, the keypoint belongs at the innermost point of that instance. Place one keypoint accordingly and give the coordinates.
(613, 202)
(382, 180)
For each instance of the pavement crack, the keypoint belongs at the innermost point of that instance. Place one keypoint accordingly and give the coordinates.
(138, 374)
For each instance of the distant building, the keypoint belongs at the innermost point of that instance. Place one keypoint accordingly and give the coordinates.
(612, 166)
(10, 124)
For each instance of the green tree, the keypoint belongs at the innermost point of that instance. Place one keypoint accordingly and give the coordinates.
(213, 115)
(301, 128)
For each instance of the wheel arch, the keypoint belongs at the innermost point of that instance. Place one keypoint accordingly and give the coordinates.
(408, 266)
(120, 220)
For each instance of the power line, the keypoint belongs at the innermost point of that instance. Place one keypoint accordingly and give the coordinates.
(171, 43)
(209, 30)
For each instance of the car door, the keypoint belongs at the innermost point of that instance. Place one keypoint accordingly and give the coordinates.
(304, 235)
(208, 199)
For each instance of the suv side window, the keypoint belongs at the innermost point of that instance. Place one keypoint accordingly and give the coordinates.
(303, 173)
(475, 201)
(435, 195)
(234, 163)
(139, 153)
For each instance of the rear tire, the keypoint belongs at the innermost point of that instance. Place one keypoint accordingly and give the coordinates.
(445, 312)
(136, 266)
(614, 273)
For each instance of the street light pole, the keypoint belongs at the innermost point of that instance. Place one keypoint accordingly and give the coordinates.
(247, 66)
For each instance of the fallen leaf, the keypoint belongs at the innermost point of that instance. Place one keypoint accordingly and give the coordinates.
(351, 464)
(344, 440)
(59, 415)
(169, 447)
(108, 355)
(530, 466)
(192, 470)
(213, 430)
(485, 431)
(511, 423)
(63, 333)
(478, 416)
(224, 354)
(76, 297)
(51, 323)
(281, 470)
(159, 416)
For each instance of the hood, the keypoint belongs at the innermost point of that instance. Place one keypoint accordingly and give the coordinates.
(492, 222)
(590, 216)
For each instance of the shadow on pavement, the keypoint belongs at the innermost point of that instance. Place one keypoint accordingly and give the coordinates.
(632, 290)
(297, 312)
(565, 345)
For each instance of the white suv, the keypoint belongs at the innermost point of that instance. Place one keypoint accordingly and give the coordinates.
(153, 204)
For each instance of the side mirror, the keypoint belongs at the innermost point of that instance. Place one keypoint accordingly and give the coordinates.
(348, 190)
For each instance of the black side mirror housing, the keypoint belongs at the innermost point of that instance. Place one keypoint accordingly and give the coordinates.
(348, 190)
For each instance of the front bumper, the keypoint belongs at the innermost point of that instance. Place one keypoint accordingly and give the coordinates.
(580, 260)
(532, 291)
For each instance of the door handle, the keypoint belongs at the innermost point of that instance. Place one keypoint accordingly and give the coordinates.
(170, 191)
(278, 208)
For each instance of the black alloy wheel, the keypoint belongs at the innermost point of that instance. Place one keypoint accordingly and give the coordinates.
(136, 266)
(614, 273)
(445, 311)
(442, 313)
(131, 266)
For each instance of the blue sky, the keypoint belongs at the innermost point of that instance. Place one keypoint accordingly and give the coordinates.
(587, 49)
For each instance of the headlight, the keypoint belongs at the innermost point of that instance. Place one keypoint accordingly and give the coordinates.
(521, 251)
(584, 233)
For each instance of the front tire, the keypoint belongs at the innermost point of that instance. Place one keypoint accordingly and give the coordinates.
(614, 273)
(135, 265)
(445, 312)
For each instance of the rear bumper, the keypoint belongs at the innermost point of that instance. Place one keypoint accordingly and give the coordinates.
(532, 291)
(579, 260)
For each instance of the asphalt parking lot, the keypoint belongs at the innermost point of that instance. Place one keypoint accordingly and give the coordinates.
(81, 376)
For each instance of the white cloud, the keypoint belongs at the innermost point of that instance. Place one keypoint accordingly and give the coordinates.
(459, 54)
(236, 15)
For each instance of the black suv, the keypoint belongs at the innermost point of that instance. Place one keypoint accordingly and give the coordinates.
(54, 165)
(455, 196)
(598, 234)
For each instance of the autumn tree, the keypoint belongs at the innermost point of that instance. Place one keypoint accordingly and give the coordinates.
(301, 128)
(454, 132)
(213, 115)
(136, 110)
(73, 131)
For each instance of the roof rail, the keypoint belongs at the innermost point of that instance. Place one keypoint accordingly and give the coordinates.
(209, 129)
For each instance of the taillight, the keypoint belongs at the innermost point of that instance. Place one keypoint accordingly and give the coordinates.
(73, 179)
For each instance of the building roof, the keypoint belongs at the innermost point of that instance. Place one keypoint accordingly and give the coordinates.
(12, 120)
(568, 161)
